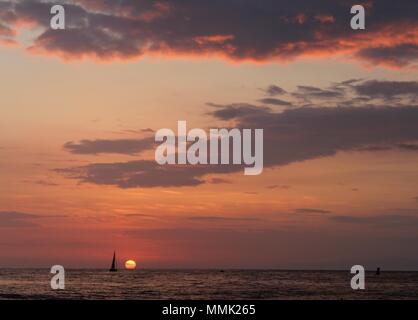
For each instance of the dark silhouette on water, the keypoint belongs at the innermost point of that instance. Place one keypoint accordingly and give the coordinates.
(378, 272)
(113, 267)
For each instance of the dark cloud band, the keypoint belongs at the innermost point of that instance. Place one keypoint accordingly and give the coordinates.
(267, 30)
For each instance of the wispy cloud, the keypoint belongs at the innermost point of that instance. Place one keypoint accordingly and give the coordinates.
(11, 219)
(274, 90)
(219, 181)
(275, 102)
(220, 218)
(387, 89)
(121, 146)
(311, 210)
(144, 174)
(387, 221)
(275, 186)
(408, 146)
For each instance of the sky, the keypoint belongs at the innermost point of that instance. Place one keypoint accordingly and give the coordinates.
(79, 109)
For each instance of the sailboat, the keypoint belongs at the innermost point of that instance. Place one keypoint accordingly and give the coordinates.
(113, 267)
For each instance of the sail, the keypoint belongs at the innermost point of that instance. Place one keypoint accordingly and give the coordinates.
(113, 267)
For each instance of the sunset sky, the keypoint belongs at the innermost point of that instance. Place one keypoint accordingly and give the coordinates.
(79, 109)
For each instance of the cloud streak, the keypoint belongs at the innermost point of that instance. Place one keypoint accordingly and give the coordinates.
(387, 221)
(121, 146)
(11, 219)
(311, 211)
(144, 174)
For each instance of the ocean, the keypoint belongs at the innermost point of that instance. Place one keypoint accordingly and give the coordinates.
(205, 284)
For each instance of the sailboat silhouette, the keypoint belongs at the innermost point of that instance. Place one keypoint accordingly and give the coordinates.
(113, 267)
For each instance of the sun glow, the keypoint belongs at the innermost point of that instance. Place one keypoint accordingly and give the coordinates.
(130, 265)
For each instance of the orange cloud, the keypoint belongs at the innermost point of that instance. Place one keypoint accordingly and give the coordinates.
(325, 18)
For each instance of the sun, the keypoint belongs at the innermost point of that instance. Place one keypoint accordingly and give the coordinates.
(130, 265)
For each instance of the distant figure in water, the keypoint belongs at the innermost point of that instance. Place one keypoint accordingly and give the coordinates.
(378, 272)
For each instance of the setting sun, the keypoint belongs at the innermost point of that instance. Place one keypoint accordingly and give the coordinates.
(130, 265)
